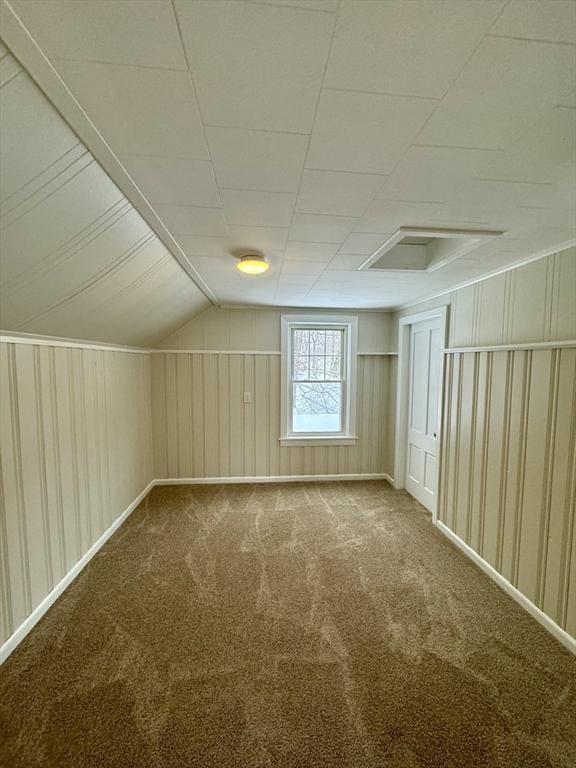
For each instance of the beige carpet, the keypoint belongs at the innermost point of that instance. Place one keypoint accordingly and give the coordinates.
(286, 625)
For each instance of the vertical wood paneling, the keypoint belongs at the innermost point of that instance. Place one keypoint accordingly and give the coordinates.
(466, 406)
(533, 303)
(203, 395)
(530, 529)
(67, 417)
(493, 469)
(509, 463)
(273, 363)
(474, 499)
(553, 560)
(31, 467)
(211, 431)
(508, 473)
(15, 569)
(235, 389)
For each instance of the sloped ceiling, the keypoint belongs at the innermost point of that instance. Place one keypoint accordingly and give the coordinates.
(312, 129)
(76, 259)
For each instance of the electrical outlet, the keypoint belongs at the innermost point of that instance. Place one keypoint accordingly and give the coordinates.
(247, 397)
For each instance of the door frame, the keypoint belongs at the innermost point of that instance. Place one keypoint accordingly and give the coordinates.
(403, 392)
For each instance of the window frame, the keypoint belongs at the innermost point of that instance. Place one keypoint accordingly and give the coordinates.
(349, 325)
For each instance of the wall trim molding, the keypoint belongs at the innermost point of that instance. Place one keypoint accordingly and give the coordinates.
(53, 341)
(512, 347)
(246, 352)
(517, 264)
(271, 479)
(560, 634)
(213, 352)
(20, 633)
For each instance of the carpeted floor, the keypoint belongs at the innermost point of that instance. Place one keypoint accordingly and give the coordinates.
(295, 625)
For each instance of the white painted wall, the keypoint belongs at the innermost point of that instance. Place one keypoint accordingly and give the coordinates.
(76, 448)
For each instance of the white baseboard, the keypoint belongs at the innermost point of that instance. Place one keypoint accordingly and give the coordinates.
(269, 479)
(16, 637)
(560, 634)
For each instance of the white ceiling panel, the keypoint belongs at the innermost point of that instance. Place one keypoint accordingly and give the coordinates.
(241, 240)
(553, 20)
(9, 67)
(190, 220)
(257, 160)
(140, 111)
(386, 216)
(261, 238)
(360, 244)
(70, 269)
(170, 181)
(270, 134)
(24, 118)
(259, 209)
(310, 251)
(340, 194)
(388, 47)
(505, 87)
(435, 174)
(300, 268)
(364, 132)
(77, 260)
(255, 65)
(60, 213)
(546, 151)
(327, 6)
(139, 32)
(561, 195)
(321, 229)
(348, 261)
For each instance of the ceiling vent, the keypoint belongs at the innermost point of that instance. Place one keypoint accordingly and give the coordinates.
(420, 249)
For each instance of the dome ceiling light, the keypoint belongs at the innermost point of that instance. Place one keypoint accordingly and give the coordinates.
(252, 264)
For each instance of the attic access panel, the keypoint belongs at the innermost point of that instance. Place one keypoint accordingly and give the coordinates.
(420, 249)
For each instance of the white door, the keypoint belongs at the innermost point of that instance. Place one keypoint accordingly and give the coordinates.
(423, 412)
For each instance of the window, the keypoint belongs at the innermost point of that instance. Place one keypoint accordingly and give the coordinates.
(318, 380)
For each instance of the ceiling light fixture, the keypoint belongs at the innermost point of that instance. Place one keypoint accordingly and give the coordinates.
(252, 264)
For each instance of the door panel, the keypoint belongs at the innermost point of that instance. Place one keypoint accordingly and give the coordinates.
(423, 422)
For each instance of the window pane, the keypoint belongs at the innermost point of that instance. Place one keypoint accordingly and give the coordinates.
(300, 369)
(316, 368)
(333, 342)
(317, 342)
(316, 407)
(300, 342)
(333, 367)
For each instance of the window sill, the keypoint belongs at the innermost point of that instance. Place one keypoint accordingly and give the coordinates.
(294, 442)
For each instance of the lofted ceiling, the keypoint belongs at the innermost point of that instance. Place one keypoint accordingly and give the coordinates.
(311, 130)
(76, 259)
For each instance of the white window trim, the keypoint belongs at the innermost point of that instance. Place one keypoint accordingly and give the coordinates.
(349, 323)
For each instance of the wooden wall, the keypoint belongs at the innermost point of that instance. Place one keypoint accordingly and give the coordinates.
(509, 469)
(75, 439)
(508, 477)
(533, 303)
(202, 428)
